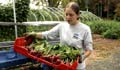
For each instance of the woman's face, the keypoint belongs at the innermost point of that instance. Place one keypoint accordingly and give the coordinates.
(71, 16)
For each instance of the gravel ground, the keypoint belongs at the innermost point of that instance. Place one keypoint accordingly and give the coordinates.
(110, 63)
(106, 55)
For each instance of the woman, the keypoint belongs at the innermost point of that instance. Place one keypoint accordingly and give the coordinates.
(71, 32)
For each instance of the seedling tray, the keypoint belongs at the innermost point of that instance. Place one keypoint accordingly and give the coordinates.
(19, 46)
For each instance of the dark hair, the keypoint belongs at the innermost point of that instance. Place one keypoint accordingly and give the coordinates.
(74, 6)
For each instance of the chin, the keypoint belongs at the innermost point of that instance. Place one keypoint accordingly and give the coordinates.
(71, 23)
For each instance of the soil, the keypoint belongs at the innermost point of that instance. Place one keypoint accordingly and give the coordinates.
(106, 54)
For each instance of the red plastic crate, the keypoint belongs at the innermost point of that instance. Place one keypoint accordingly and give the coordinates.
(19, 46)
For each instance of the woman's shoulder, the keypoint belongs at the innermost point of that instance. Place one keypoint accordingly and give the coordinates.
(63, 23)
(84, 26)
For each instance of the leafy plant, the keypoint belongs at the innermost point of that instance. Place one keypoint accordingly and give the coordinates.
(7, 33)
(42, 48)
(22, 9)
(98, 27)
(106, 28)
(113, 32)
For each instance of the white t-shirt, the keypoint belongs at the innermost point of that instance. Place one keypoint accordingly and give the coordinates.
(78, 35)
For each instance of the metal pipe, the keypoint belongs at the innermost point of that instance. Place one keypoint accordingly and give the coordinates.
(16, 35)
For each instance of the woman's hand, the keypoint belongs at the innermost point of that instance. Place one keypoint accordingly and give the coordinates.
(79, 58)
(30, 34)
(33, 34)
(82, 57)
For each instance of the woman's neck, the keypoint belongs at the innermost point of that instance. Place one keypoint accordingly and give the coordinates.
(75, 23)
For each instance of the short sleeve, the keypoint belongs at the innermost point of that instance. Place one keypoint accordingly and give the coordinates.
(88, 42)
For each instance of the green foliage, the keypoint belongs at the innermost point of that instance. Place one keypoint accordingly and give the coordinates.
(45, 49)
(107, 28)
(98, 27)
(22, 9)
(113, 32)
(88, 16)
(82, 4)
(6, 15)
(7, 32)
(53, 3)
(65, 2)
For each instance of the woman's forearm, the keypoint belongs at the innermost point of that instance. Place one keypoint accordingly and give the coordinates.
(86, 54)
(38, 35)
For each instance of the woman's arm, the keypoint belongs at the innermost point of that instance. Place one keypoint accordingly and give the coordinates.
(34, 34)
(86, 54)
(50, 34)
(87, 44)
(39, 35)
